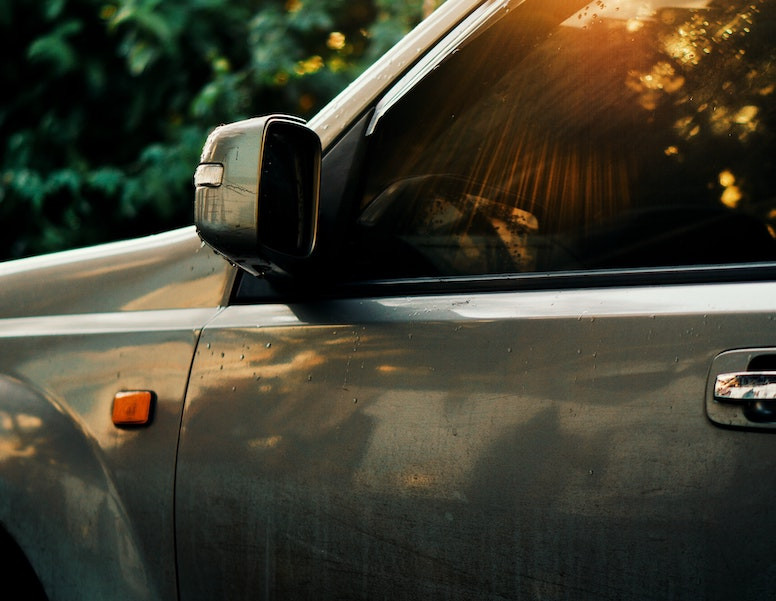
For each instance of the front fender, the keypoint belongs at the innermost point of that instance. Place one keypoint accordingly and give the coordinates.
(58, 503)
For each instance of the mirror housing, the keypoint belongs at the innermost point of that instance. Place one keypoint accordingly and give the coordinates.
(256, 192)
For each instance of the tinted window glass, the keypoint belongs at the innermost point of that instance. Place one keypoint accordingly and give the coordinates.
(619, 134)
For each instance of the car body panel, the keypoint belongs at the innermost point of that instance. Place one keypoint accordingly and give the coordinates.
(166, 271)
(92, 504)
(89, 503)
(78, 327)
(366, 448)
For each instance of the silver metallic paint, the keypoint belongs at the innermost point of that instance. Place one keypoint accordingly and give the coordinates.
(89, 503)
(507, 445)
(166, 271)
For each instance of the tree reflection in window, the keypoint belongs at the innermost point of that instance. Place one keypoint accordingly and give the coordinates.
(631, 136)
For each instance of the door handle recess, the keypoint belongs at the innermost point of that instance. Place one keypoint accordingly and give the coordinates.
(745, 386)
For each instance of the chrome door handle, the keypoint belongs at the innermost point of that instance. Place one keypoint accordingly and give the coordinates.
(741, 389)
(745, 386)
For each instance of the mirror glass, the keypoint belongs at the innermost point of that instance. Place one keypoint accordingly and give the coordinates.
(288, 189)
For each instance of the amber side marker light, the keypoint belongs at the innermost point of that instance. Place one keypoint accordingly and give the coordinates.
(132, 407)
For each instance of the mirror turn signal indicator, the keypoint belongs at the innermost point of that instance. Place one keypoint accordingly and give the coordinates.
(132, 407)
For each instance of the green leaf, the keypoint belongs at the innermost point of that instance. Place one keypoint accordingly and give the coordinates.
(55, 48)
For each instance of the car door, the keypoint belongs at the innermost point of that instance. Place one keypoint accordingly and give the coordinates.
(556, 234)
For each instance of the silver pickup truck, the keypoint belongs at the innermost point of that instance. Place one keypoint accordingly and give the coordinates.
(498, 323)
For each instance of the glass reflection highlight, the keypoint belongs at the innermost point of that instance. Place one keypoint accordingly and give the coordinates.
(609, 131)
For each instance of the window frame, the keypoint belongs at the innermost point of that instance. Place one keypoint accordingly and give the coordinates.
(343, 176)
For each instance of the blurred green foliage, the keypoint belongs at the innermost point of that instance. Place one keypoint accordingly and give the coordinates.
(106, 105)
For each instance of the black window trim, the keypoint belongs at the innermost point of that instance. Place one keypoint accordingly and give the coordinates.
(307, 290)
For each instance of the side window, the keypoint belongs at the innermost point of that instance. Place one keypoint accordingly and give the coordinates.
(611, 137)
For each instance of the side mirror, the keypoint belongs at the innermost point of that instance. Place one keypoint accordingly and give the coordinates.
(257, 188)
